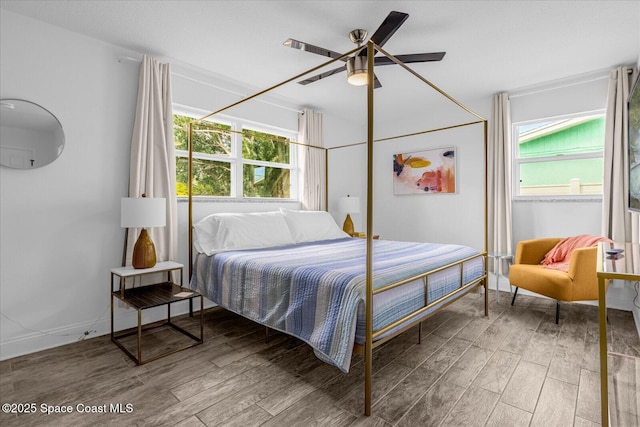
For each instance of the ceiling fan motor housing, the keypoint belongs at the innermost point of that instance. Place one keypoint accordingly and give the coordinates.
(357, 70)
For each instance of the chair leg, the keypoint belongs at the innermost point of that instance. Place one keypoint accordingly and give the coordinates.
(513, 300)
(557, 311)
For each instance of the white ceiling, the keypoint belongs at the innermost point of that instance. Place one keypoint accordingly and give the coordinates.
(491, 46)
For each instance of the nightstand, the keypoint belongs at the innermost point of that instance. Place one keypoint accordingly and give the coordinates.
(148, 296)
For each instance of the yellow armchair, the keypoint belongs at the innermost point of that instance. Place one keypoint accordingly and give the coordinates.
(579, 283)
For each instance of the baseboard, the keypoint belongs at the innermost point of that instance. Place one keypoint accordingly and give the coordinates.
(49, 338)
(125, 317)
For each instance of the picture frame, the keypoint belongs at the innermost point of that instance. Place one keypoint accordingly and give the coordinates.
(425, 172)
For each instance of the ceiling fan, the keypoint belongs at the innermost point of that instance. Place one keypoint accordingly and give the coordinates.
(356, 65)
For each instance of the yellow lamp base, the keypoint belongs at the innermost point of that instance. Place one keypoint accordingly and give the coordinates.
(347, 227)
(144, 251)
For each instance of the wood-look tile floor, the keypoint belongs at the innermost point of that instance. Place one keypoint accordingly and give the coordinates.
(514, 368)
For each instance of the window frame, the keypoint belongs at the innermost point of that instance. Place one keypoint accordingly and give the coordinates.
(237, 162)
(517, 160)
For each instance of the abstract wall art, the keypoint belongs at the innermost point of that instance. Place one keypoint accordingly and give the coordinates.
(425, 172)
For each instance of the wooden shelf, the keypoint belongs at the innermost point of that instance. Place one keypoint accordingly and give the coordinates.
(154, 295)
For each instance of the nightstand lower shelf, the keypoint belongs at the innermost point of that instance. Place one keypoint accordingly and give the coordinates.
(150, 296)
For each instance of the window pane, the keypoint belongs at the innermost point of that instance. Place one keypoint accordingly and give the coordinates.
(562, 137)
(264, 181)
(581, 176)
(264, 146)
(208, 137)
(570, 153)
(210, 178)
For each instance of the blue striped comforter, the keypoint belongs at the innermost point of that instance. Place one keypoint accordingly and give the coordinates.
(315, 291)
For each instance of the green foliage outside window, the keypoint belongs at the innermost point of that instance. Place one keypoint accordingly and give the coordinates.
(210, 178)
(208, 137)
(261, 181)
(265, 181)
(264, 146)
(212, 174)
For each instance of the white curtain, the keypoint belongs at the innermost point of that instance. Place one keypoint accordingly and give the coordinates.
(153, 165)
(312, 161)
(617, 222)
(499, 170)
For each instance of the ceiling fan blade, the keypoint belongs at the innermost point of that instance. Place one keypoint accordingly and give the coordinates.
(376, 82)
(296, 44)
(389, 26)
(414, 57)
(323, 75)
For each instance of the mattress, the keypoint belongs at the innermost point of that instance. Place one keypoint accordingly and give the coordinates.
(316, 291)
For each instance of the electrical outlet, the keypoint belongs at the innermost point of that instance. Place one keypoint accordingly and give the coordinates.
(85, 334)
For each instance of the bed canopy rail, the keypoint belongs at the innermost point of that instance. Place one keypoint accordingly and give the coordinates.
(370, 334)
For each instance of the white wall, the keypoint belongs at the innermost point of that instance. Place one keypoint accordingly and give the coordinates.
(558, 218)
(440, 218)
(60, 223)
(452, 218)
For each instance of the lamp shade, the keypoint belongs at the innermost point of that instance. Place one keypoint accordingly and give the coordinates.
(143, 212)
(350, 204)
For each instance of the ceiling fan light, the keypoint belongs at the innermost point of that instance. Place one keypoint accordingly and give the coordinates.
(357, 70)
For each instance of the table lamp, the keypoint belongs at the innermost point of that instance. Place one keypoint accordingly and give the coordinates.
(349, 205)
(143, 212)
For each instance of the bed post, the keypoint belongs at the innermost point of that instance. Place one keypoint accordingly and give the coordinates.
(190, 208)
(486, 219)
(368, 348)
(326, 180)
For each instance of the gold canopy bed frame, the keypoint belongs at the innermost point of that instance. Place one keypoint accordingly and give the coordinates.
(411, 319)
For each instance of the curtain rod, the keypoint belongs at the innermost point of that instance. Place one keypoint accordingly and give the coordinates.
(596, 77)
(182, 76)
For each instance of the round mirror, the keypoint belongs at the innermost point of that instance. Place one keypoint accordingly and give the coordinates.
(30, 136)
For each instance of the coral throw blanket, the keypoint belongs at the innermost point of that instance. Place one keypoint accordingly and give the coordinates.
(558, 257)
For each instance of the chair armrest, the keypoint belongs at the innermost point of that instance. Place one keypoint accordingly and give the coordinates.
(583, 273)
(533, 251)
(582, 265)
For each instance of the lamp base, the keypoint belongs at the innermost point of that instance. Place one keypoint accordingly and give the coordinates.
(144, 251)
(347, 227)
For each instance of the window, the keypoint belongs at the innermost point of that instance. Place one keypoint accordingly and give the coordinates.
(562, 156)
(235, 159)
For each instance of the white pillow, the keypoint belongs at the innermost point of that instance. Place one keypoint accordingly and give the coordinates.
(233, 231)
(310, 226)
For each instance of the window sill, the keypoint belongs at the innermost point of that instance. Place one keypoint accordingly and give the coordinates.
(205, 199)
(560, 198)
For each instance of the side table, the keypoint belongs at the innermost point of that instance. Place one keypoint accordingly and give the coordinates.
(614, 261)
(148, 296)
(499, 258)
